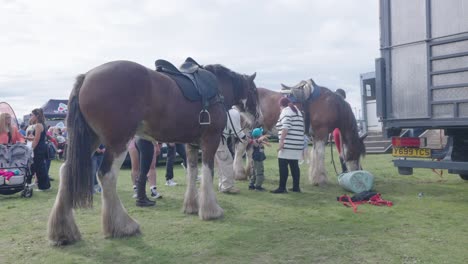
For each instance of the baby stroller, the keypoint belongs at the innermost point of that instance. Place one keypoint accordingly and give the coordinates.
(15, 173)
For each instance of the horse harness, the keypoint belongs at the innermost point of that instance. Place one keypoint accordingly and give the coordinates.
(195, 83)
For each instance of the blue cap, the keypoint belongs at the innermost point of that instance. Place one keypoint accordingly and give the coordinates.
(257, 132)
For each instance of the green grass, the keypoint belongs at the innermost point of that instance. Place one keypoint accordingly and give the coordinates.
(309, 227)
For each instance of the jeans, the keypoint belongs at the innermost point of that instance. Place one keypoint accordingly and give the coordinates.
(171, 154)
(97, 161)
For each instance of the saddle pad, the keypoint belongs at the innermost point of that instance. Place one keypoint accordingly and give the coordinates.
(195, 82)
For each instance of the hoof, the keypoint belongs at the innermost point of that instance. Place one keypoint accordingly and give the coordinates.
(130, 229)
(64, 239)
(190, 210)
(212, 214)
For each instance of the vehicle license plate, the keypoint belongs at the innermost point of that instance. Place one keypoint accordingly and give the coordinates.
(411, 152)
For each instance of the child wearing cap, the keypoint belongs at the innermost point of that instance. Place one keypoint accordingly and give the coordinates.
(258, 156)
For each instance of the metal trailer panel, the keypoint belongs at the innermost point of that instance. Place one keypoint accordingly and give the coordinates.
(409, 82)
(453, 11)
(409, 17)
(422, 77)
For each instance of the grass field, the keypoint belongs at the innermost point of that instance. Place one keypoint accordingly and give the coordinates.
(307, 227)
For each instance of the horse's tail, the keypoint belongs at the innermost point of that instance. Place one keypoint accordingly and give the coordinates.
(78, 167)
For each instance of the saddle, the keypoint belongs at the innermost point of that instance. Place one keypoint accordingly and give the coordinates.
(196, 83)
(303, 91)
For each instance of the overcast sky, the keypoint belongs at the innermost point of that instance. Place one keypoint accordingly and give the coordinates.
(45, 44)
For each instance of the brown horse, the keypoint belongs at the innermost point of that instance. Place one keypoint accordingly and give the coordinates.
(117, 100)
(268, 102)
(325, 113)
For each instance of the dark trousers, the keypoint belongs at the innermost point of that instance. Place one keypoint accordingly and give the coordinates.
(283, 171)
(171, 154)
(39, 168)
(97, 161)
(146, 151)
(47, 165)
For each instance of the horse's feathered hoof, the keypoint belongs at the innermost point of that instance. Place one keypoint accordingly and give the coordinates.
(212, 214)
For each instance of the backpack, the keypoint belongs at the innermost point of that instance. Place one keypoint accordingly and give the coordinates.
(51, 151)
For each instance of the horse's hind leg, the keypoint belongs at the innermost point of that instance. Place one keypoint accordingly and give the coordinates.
(62, 229)
(209, 208)
(191, 196)
(115, 220)
(240, 172)
(317, 173)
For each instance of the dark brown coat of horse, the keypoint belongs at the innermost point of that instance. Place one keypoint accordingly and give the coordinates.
(325, 113)
(117, 100)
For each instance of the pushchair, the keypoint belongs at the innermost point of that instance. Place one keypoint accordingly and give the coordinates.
(15, 173)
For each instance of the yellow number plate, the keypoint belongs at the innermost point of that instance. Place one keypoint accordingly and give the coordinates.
(412, 152)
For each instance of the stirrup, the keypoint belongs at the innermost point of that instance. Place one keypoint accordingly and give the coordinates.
(200, 117)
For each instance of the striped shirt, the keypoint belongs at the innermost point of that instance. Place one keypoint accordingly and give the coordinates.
(294, 141)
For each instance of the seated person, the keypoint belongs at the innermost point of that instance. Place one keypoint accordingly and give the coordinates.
(9, 134)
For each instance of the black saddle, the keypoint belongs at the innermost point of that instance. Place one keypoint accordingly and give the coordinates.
(196, 83)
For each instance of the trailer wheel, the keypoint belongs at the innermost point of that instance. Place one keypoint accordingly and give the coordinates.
(464, 176)
(405, 170)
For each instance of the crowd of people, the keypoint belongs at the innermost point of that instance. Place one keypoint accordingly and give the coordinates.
(48, 142)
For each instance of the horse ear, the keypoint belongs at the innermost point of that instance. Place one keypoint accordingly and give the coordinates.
(252, 77)
(285, 87)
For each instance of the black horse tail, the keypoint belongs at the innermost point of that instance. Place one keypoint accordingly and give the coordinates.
(78, 168)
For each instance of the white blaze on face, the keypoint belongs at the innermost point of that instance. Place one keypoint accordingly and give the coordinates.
(244, 103)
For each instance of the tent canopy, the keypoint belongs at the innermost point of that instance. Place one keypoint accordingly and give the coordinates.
(55, 109)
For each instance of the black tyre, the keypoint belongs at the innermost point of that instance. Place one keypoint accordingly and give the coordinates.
(27, 193)
(405, 170)
(464, 176)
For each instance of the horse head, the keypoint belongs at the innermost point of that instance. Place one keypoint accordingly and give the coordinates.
(238, 90)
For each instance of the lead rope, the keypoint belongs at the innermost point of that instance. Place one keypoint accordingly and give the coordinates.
(332, 159)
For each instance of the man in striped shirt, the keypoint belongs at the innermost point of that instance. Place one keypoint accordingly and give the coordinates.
(290, 128)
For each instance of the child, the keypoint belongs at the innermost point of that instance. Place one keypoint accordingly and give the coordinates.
(258, 156)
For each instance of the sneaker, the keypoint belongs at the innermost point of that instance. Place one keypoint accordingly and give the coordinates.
(155, 194)
(171, 183)
(134, 192)
(260, 189)
(279, 191)
(232, 190)
(145, 202)
(182, 164)
(43, 190)
(295, 190)
(251, 187)
(97, 188)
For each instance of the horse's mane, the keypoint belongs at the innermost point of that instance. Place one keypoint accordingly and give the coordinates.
(223, 72)
(348, 123)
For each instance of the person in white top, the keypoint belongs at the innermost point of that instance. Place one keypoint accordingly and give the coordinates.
(223, 157)
(290, 128)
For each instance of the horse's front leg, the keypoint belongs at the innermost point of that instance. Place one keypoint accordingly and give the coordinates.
(240, 173)
(115, 220)
(209, 208)
(191, 200)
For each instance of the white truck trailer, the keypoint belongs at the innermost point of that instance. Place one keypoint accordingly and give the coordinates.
(422, 81)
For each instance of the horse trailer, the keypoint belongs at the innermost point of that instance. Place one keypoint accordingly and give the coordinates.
(422, 81)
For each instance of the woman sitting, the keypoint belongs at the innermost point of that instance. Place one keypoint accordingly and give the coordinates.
(9, 134)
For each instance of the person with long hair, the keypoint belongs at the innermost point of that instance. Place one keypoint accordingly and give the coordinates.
(290, 128)
(9, 134)
(39, 146)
